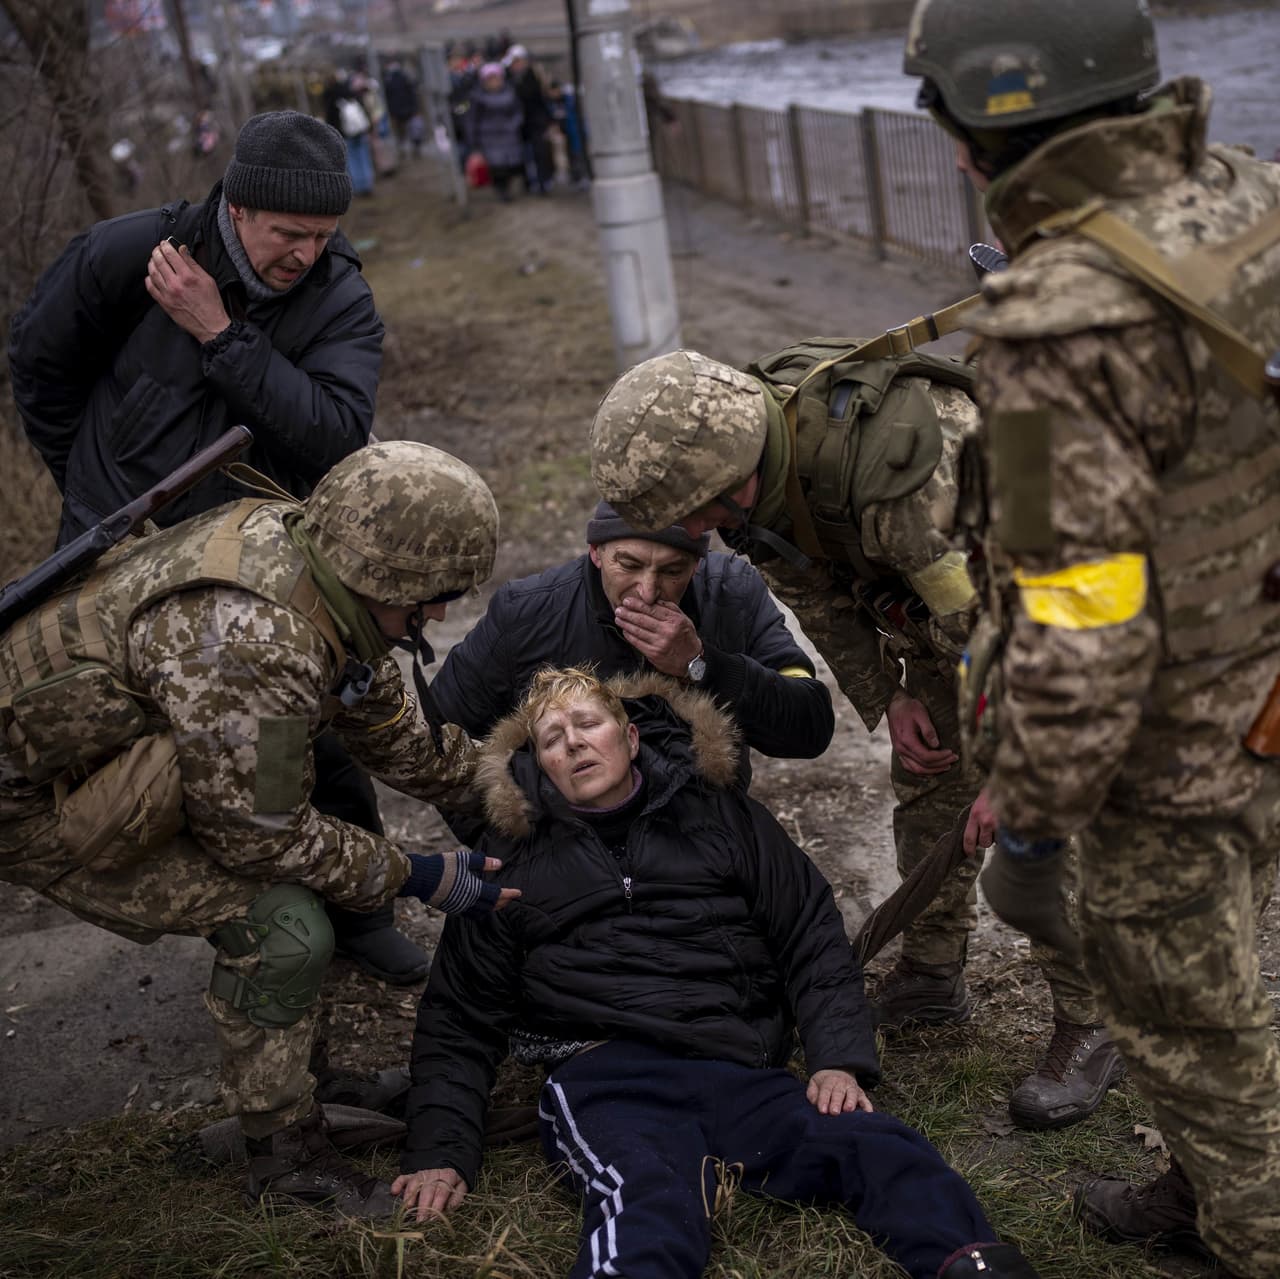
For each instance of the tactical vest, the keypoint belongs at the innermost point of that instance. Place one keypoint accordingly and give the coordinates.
(865, 431)
(1218, 523)
(1218, 530)
(65, 701)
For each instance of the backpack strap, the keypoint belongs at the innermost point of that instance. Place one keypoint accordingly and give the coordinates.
(901, 340)
(1187, 282)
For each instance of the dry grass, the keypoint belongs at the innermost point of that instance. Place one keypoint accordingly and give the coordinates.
(110, 1202)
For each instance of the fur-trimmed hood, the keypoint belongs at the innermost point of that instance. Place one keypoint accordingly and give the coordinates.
(682, 733)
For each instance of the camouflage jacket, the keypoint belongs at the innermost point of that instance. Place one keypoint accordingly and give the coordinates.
(243, 682)
(907, 539)
(1130, 502)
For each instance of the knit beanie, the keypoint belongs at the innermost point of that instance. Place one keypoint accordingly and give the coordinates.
(606, 525)
(288, 162)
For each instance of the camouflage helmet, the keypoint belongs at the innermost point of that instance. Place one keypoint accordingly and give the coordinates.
(673, 434)
(1001, 64)
(402, 522)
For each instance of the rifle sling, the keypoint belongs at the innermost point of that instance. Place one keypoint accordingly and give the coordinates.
(1182, 280)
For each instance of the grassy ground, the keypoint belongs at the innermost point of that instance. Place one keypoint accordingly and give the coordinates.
(113, 1201)
(498, 349)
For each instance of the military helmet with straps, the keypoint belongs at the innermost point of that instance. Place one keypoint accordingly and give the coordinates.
(675, 433)
(402, 522)
(1002, 64)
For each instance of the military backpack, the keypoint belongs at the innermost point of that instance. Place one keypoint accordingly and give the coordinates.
(862, 430)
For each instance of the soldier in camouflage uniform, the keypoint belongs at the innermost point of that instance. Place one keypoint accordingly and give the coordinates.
(1126, 491)
(889, 607)
(157, 722)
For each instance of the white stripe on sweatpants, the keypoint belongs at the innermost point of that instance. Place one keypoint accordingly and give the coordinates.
(610, 1195)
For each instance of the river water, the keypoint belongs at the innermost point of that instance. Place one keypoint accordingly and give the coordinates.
(1238, 53)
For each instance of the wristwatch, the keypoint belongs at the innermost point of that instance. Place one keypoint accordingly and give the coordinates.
(696, 671)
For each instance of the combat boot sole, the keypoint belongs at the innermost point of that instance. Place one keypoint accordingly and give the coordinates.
(370, 1202)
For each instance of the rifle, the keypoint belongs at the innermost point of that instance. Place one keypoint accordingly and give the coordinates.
(20, 596)
(987, 259)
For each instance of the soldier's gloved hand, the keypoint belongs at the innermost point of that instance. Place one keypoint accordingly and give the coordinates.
(1022, 882)
(452, 883)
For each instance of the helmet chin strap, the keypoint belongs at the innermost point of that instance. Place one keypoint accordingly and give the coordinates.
(792, 554)
(423, 656)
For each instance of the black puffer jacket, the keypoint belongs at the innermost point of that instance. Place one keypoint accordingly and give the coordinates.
(562, 617)
(728, 932)
(115, 395)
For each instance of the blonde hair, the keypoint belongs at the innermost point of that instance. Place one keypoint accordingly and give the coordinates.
(554, 688)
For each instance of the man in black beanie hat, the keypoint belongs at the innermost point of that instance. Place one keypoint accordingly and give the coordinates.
(155, 331)
(643, 601)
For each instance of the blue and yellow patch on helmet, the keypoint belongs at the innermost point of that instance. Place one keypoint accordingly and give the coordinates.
(1009, 92)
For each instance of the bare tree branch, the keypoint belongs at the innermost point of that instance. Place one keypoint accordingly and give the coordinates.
(56, 36)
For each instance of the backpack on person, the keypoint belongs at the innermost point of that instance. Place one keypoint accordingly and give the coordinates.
(863, 429)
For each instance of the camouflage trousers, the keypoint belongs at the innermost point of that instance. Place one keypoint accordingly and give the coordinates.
(926, 810)
(927, 807)
(178, 889)
(1168, 916)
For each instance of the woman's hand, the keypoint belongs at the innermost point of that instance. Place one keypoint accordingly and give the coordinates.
(432, 1192)
(835, 1092)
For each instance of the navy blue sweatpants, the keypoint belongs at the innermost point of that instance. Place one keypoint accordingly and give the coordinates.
(640, 1132)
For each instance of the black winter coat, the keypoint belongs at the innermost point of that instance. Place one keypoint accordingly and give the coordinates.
(401, 95)
(562, 617)
(115, 395)
(533, 101)
(729, 931)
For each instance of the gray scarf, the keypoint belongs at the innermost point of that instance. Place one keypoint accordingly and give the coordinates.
(253, 284)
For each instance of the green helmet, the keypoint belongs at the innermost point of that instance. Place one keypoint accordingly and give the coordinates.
(403, 522)
(673, 434)
(1000, 64)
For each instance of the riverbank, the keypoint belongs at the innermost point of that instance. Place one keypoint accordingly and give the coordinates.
(1232, 50)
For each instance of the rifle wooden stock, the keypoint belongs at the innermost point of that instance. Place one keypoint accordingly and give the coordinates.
(23, 594)
(1263, 737)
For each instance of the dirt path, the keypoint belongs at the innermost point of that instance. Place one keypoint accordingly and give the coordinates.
(498, 350)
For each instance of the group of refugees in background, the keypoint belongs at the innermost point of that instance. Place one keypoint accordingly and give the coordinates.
(379, 121)
(513, 122)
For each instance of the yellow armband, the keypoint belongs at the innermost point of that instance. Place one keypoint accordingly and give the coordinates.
(1085, 596)
(945, 585)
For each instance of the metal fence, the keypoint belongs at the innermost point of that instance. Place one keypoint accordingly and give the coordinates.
(888, 178)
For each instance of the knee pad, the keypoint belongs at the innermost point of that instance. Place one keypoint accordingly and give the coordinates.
(291, 933)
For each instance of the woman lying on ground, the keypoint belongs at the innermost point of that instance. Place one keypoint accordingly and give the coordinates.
(667, 932)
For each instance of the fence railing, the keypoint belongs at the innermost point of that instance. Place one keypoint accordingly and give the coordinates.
(888, 178)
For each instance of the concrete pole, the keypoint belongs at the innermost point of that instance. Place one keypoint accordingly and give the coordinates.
(626, 193)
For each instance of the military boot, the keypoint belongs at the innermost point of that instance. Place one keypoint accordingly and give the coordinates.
(987, 1261)
(300, 1163)
(385, 953)
(1070, 1080)
(1161, 1212)
(914, 994)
